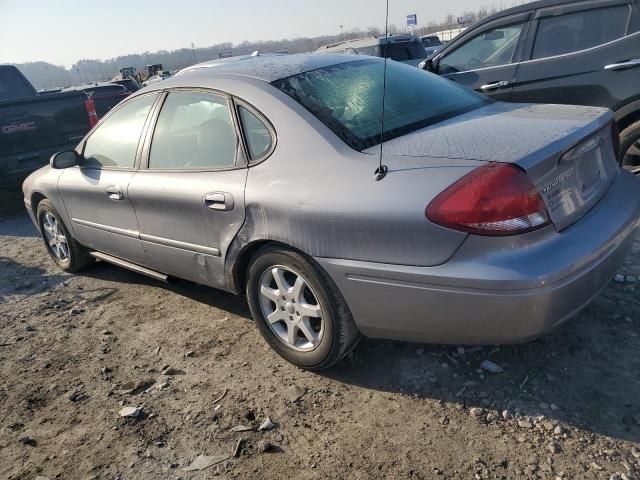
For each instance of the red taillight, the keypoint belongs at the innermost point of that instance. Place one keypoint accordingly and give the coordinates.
(91, 111)
(495, 199)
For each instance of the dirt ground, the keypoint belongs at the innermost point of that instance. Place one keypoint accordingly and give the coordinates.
(72, 346)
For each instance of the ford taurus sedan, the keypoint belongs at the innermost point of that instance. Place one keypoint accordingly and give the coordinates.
(485, 222)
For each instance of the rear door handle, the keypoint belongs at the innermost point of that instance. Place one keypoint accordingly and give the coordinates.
(114, 192)
(622, 65)
(220, 201)
(494, 86)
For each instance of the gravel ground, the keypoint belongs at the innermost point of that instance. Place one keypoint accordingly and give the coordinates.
(75, 350)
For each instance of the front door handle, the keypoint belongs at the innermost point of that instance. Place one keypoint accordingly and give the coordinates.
(494, 86)
(114, 192)
(220, 201)
(623, 65)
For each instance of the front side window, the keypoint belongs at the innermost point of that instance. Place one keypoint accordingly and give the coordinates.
(258, 136)
(576, 31)
(194, 131)
(347, 98)
(115, 140)
(491, 48)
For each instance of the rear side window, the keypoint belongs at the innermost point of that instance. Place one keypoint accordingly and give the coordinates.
(115, 140)
(194, 131)
(257, 135)
(577, 31)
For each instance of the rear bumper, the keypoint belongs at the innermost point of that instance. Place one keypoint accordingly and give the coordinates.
(496, 290)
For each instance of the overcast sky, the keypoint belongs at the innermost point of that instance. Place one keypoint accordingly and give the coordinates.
(63, 31)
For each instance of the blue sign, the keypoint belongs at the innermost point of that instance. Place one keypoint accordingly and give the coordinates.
(412, 20)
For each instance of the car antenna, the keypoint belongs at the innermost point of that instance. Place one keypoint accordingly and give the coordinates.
(382, 170)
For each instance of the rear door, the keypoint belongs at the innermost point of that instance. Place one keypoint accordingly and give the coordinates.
(96, 193)
(189, 199)
(486, 60)
(586, 53)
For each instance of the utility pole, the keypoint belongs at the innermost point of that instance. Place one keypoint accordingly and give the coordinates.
(342, 31)
(193, 49)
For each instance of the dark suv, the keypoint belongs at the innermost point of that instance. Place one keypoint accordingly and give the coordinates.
(556, 51)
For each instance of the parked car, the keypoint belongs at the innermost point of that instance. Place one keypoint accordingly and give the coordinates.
(49, 91)
(33, 127)
(431, 44)
(495, 222)
(556, 51)
(129, 83)
(104, 95)
(401, 48)
(156, 78)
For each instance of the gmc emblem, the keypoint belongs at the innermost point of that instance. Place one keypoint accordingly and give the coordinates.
(22, 127)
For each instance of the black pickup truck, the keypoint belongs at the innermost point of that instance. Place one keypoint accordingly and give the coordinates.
(33, 127)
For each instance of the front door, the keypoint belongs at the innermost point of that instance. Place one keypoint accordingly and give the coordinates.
(487, 61)
(189, 200)
(585, 54)
(96, 193)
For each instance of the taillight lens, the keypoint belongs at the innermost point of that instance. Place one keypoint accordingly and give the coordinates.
(495, 199)
(91, 111)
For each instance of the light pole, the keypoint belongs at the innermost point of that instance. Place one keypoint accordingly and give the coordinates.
(193, 49)
(342, 31)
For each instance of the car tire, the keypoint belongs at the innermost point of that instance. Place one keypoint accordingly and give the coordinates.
(68, 254)
(630, 147)
(317, 342)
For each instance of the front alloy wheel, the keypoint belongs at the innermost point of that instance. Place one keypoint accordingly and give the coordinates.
(55, 237)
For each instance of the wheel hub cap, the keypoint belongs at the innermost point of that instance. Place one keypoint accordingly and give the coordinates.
(55, 237)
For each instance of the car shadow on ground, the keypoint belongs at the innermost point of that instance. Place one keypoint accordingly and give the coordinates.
(19, 279)
(235, 305)
(586, 374)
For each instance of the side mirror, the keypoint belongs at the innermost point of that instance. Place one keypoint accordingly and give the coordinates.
(66, 159)
(428, 65)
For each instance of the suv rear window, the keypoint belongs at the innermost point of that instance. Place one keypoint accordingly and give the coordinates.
(401, 52)
(347, 98)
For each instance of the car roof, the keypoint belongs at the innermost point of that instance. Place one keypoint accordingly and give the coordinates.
(263, 67)
(527, 7)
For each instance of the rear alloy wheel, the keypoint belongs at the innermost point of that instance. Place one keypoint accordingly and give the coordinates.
(630, 148)
(64, 250)
(298, 309)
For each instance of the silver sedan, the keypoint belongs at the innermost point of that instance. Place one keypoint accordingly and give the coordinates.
(440, 216)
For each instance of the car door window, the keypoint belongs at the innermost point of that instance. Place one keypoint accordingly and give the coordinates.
(257, 135)
(194, 130)
(115, 140)
(490, 48)
(557, 35)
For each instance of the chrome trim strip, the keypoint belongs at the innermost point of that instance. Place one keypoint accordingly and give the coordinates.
(107, 228)
(167, 242)
(130, 266)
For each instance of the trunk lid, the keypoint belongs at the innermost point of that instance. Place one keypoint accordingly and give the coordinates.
(567, 151)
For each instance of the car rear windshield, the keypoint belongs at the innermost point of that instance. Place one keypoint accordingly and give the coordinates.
(347, 98)
(402, 51)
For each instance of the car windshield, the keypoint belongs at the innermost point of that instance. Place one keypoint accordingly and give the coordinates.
(347, 98)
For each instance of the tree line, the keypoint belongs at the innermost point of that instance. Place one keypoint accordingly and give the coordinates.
(47, 75)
